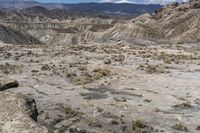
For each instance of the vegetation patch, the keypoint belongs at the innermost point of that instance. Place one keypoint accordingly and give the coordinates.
(151, 69)
(180, 127)
(11, 69)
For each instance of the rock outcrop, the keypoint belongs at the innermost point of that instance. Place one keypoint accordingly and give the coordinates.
(18, 114)
(7, 83)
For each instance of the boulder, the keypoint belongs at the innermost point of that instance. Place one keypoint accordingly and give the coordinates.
(7, 84)
(18, 114)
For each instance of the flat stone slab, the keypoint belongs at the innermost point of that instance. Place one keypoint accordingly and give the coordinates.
(17, 113)
(7, 84)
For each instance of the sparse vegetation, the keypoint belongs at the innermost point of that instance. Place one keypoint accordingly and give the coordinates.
(151, 69)
(10, 68)
(183, 105)
(119, 58)
(98, 74)
(88, 77)
(180, 127)
(139, 126)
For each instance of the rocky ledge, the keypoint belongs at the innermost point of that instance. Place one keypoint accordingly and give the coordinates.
(18, 114)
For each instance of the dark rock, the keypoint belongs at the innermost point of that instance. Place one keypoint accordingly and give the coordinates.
(31, 104)
(7, 84)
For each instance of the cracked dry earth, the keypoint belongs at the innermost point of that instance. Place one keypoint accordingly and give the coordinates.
(109, 87)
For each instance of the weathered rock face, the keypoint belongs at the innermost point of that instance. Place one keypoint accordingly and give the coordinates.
(12, 36)
(175, 22)
(7, 83)
(194, 4)
(17, 114)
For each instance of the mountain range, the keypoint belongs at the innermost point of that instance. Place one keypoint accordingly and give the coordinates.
(97, 8)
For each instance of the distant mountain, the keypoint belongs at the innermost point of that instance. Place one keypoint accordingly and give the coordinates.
(21, 4)
(97, 8)
(17, 3)
(112, 8)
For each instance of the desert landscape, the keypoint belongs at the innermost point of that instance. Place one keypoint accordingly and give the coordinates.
(100, 74)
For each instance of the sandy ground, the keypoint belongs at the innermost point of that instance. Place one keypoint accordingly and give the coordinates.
(112, 87)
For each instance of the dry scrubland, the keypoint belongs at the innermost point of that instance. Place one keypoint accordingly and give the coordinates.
(96, 77)
(108, 87)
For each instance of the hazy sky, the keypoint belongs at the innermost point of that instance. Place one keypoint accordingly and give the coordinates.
(115, 1)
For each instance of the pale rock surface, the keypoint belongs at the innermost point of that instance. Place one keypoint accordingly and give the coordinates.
(16, 112)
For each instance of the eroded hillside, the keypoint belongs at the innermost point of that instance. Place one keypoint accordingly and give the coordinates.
(176, 22)
(12, 36)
